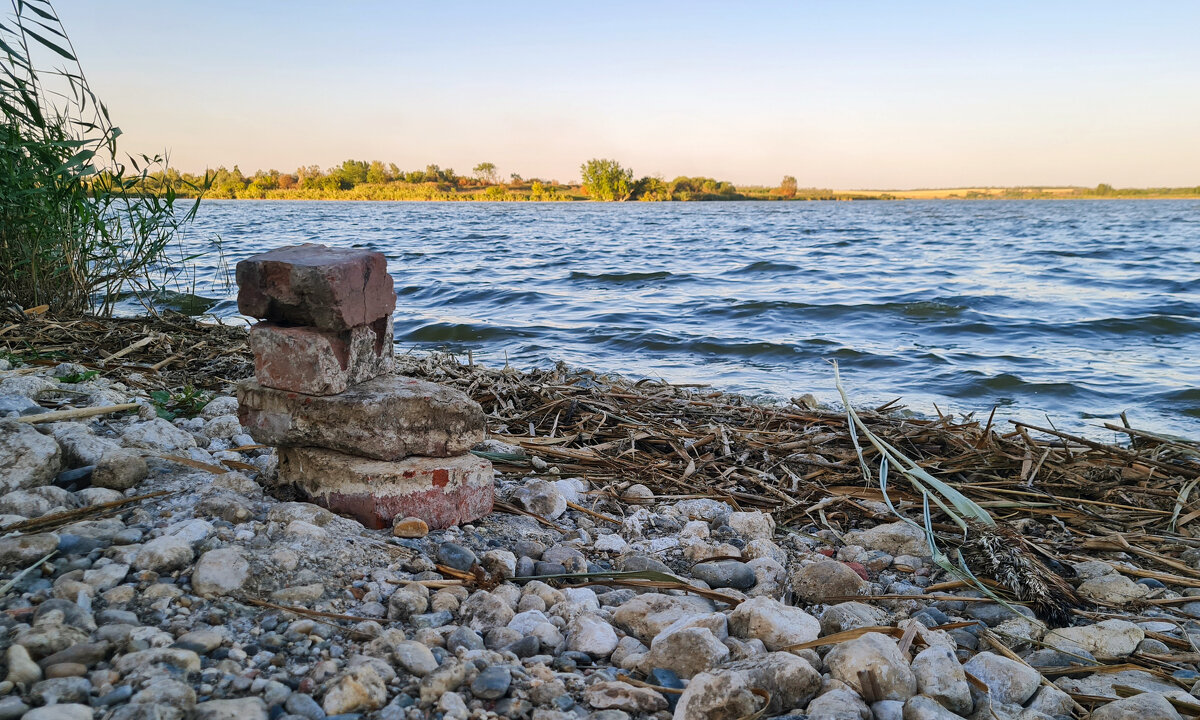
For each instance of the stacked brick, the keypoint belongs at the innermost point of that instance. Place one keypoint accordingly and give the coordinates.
(352, 435)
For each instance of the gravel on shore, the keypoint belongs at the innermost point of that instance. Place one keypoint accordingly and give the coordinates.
(224, 598)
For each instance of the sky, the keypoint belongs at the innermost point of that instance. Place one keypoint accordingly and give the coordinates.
(880, 95)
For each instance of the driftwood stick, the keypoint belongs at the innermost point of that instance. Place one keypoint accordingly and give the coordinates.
(76, 413)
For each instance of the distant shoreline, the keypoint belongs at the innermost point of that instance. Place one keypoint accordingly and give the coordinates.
(846, 196)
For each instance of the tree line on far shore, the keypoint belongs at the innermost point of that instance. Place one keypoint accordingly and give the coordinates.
(374, 180)
(600, 179)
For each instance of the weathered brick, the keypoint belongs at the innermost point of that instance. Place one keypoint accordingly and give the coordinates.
(388, 418)
(441, 491)
(327, 288)
(319, 362)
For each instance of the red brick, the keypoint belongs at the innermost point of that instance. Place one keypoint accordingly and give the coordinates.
(318, 362)
(327, 288)
(388, 418)
(441, 491)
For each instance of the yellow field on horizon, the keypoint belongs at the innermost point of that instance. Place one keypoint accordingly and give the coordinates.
(942, 193)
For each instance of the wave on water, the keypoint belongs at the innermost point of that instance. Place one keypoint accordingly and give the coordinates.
(621, 278)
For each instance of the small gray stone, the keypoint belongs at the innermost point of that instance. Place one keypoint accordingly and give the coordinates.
(119, 469)
(12, 708)
(462, 637)
(824, 580)
(492, 683)
(726, 573)
(304, 705)
(456, 556)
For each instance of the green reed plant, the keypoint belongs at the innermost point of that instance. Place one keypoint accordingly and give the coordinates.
(78, 228)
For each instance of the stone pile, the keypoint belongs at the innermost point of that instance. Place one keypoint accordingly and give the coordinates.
(354, 437)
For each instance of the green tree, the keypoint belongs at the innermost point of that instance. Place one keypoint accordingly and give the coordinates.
(377, 173)
(351, 173)
(787, 187)
(606, 179)
(485, 172)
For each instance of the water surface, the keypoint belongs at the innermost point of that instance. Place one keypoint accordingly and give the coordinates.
(1075, 309)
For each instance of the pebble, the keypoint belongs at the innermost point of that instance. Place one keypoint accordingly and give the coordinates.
(492, 683)
(456, 556)
(410, 527)
(823, 579)
(725, 574)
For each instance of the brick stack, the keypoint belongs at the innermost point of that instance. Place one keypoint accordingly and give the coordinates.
(353, 436)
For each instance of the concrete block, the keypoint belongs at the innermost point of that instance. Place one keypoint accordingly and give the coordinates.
(387, 418)
(441, 491)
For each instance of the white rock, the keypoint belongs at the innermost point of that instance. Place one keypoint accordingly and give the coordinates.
(572, 489)
(220, 572)
(1113, 589)
(941, 677)
(164, 554)
(591, 634)
(357, 690)
(728, 693)
(541, 498)
(898, 538)
(106, 577)
(616, 695)
(838, 704)
(1107, 639)
(687, 651)
(36, 502)
(415, 658)
(157, 435)
(876, 652)
(221, 427)
(27, 457)
(753, 525)
(1146, 706)
(776, 624)
(89, 497)
(612, 543)
(851, 616)
(22, 670)
(483, 611)
(1104, 684)
(646, 615)
(1008, 681)
(250, 708)
(79, 445)
(218, 406)
(194, 531)
(65, 711)
(1052, 701)
(920, 707)
(120, 469)
(306, 530)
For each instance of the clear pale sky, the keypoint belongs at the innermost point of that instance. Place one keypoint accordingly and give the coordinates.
(841, 95)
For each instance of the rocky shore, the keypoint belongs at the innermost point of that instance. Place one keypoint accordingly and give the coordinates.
(217, 597)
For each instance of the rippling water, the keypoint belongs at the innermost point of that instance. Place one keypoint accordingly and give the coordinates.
(1075, 309)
